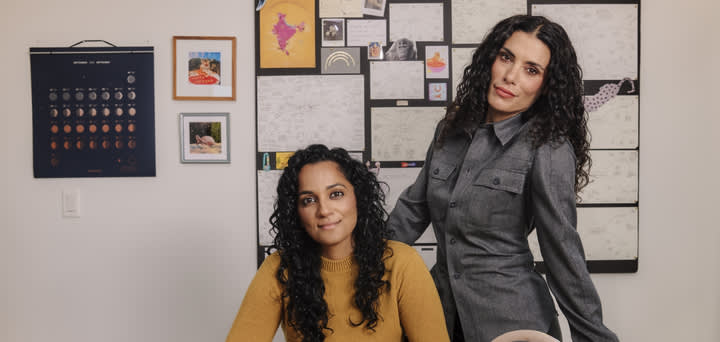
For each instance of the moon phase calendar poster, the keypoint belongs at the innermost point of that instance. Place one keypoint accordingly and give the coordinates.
(287, 34)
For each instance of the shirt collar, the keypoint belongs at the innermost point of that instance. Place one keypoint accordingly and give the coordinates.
(508, 128)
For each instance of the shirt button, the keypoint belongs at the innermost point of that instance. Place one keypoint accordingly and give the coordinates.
(456, 275)
(452, 241)
(436, 171)
(453, 204)
(496, 181)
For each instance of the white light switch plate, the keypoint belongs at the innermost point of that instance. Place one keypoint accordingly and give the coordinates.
(71, 203)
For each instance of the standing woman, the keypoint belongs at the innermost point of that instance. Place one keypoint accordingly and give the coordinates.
(335, 276)
(510, 156)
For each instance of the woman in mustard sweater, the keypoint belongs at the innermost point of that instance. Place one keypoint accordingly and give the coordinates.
(335, 275)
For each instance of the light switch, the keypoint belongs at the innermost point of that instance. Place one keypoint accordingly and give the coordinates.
(71, 203)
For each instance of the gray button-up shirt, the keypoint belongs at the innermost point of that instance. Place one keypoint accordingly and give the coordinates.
(484, 193)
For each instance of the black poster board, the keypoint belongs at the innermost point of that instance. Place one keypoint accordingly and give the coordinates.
(93, 112)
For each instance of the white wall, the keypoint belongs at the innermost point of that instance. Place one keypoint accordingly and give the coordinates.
(151, 259)
(169, 258)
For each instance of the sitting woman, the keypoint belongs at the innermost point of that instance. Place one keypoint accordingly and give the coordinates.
(335, 275)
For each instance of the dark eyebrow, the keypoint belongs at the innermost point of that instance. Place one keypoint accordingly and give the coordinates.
(506, 50)
(307, 192)
(335, 185)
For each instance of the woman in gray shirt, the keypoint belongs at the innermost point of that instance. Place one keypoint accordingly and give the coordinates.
(510, 156)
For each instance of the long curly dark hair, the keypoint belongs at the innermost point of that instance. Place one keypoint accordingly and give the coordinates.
(558, 112)
(299, 270)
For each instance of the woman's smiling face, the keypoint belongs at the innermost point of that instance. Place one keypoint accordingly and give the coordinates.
(517, 75)
(327, 207)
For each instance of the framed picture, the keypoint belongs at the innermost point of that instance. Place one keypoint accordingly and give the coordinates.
(204, 68)
(204, 138)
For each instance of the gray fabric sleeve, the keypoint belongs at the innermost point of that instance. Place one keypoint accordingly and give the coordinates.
(553, 206)
(411, 215)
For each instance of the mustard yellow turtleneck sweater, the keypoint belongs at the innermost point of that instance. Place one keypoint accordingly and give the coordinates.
(411, 305)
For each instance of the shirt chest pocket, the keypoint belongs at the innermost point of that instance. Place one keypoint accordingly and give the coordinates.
(499, 179)
(441, 171)
(499, 193)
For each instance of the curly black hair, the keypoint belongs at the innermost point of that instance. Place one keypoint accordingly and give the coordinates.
(299, 270)
(559, 111)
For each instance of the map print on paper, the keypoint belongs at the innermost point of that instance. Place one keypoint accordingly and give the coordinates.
(607, 49)
(615, 124)
(324, 109)
(283, 32)
(287, 34)
(607, 233)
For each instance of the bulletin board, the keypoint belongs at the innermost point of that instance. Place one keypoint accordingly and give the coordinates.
(375, 77)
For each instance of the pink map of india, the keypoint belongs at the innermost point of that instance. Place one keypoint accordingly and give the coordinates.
(284, 31)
